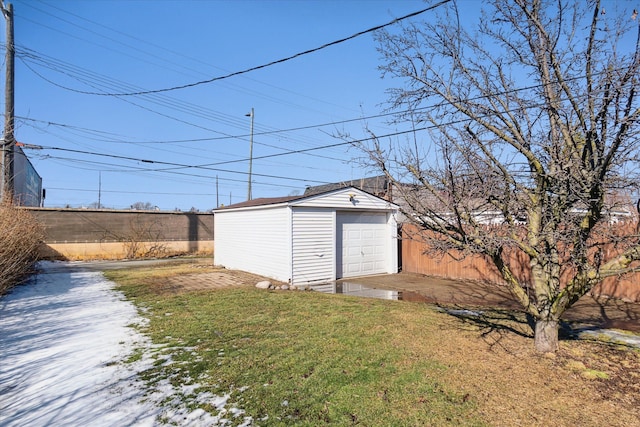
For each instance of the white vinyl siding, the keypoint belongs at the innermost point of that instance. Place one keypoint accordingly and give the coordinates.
(341, 200)
(257, 241)
(312, 245)
(296, 241)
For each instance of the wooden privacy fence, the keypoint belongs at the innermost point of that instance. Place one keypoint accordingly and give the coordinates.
(418, 257)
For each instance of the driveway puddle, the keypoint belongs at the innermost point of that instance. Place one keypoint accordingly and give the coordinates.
(358, 290)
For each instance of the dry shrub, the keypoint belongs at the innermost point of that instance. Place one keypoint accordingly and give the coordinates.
(20, 237)
(143, 239)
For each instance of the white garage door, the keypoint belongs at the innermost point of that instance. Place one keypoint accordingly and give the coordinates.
(361, 244)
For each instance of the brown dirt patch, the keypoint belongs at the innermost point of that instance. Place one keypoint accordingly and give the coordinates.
(514, 386)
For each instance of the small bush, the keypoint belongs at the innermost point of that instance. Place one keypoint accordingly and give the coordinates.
(20, 237)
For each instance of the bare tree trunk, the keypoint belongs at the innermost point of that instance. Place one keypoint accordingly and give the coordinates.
(546, 336)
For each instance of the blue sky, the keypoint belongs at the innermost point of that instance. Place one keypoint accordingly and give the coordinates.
(116, 46)
(169, 148)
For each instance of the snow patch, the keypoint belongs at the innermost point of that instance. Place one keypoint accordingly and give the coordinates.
(64, 337)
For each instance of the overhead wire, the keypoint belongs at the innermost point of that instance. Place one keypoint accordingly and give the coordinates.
(97, 80)
(257, 133)
(129, 169)
(320, 125)
(343, 143)
(111, 40)
(241, 160)
(353, 142)
(269, 64)
(291, 151)
(181, 55)
(131, 192)
(190, 123)
(103, 82)
(177, 165)
(92, 82)
(327, 146)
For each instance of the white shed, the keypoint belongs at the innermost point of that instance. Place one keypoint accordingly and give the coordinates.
(309, 239)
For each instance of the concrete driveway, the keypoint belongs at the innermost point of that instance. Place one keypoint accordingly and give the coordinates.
(600, 312)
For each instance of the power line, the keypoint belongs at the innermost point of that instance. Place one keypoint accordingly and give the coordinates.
(269, 64)
(323, 147)
(163, 57)
(110, 39)
(338, 144)
(100, 165)
(336, 122)
(97, 80)
(131, 192)
(314, 126)
(304, 151)
(178, 165)
(353, 142)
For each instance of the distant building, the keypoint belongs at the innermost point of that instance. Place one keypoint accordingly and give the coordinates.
(411, 199)
(27, 184)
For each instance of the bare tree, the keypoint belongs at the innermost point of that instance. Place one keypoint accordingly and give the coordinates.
(143, 206)
(144, 238)
(530, 120)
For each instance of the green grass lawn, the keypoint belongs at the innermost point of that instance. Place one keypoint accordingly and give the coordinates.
(303, 358)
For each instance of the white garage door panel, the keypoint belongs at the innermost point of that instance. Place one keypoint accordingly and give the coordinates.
(362, 244)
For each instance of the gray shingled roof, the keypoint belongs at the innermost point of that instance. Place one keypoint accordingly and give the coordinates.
(262, 202)
(376, 185)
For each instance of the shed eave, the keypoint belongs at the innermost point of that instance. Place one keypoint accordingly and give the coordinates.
(252, 208)
(302, 200)
(390, 206)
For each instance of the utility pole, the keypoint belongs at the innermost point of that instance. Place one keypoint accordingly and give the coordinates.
(250, 154)
(8, 142)
(99, 188)
(217, 199)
